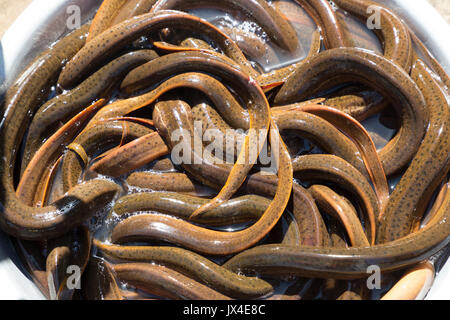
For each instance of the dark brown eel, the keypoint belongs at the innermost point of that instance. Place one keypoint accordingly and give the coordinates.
(340, 66)
(349, 263)
(103, 47)
(99, 137)
(393, 33)
(16, 218)
(64, 106)
(428, 168)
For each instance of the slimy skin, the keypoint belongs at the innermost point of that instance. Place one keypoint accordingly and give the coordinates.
(65, 105)
(335, 205)
(92, 56)
(312, 228)
(171, 65)
(254, 47)
(113, 12)
(140, 227)
(350, 263)
(161, 181)
(429, 166)
(305, 211)
(258, 110)
(92, 140)
(333, 169)
(196, 44)
(214, 174)
(131, 9)
(339, 66)
(393, 33)
(237, 210)
(102, 20)
(16, 218)
(43, 192)
(43, 159)
(435, 65)
(168, 117)
(414, 285)
(357, 33)
(277, 77)
(99, 281)
(361, 104)
(72, 209)
(306, 124)
(324, 134)
(70, 249)
(131, 156)
(307, 216)
(416, 282)
(226, 140)
(224, 102)
(325, 17)
(56, 263)
(279, 30)
(203, 46)
(259, 220)
(342, 289)
(359, 136)
(192, 265)
(432, 216)
(73, 249)
(163, 165)
(164, 282)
